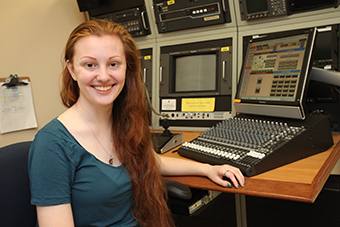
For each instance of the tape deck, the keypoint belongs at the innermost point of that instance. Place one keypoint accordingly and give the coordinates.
(185, 14)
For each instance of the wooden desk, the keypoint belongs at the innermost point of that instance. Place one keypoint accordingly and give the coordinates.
(299, 181)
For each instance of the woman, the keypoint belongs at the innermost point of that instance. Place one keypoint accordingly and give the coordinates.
(94, 165)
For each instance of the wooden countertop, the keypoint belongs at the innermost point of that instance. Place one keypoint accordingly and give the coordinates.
(298, 181)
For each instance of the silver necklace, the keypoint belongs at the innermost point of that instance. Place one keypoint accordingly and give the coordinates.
(110, 156)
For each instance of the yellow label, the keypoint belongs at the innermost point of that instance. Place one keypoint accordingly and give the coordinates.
(198, 105)
(171, 2)
(224, 49)
(216, 17)
(148, 57)
(237, 100)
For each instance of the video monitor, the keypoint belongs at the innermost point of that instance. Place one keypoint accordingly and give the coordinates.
(195, 79)
(274, 74)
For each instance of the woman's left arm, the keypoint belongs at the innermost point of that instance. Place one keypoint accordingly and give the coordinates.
(175, 166)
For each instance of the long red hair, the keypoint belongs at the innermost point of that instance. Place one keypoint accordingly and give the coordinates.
(131, 133)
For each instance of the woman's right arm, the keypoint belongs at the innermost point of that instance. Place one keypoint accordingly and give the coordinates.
(51, 170)
(55, 216)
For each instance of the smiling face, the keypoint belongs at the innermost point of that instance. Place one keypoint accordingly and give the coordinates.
(99, 67)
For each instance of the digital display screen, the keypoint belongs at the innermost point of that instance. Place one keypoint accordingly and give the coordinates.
(195, 73)
(256, 6)
(273, 69)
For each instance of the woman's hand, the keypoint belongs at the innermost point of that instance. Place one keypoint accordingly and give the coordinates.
(232, 175)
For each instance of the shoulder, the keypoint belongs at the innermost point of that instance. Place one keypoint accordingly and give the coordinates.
(54, 131)
(53, 149)
(53, 128)
(53, 138)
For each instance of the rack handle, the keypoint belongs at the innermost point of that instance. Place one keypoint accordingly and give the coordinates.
(144, 75)
(143, 20)
(161, 74)
(223, 70)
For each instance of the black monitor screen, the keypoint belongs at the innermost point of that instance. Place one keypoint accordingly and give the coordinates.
(195, 73)
(312, 4)
(110, 6)
(256, 6)
(323, 46)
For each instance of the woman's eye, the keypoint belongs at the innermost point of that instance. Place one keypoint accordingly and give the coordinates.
(113, 64)
(89, 65)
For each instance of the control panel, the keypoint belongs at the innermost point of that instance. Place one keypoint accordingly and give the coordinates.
(205, 10)
(199, 11)
(198, 115)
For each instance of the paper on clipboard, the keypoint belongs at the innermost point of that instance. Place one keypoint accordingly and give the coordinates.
(16, 108)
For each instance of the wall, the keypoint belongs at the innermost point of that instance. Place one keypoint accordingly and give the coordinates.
(33, 35)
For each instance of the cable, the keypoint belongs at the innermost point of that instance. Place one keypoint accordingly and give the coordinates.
(150, 104)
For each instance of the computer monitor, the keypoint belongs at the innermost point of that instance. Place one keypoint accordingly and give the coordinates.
(275, 73)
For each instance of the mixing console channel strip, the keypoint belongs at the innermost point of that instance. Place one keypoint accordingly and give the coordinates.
(258, 144)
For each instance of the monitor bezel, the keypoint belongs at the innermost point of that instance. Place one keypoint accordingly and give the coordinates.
(222, 48)
(294, 109)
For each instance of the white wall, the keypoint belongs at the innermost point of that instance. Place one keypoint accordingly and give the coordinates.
(32, 38)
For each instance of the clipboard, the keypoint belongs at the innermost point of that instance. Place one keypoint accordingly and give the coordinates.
(22, 78)
(16, 107)
(15, 77)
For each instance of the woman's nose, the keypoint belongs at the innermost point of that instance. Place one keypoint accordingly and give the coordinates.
(103, 75)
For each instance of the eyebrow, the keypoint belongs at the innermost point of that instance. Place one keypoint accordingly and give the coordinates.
(88, 57)
(115, 56)
(96, 59)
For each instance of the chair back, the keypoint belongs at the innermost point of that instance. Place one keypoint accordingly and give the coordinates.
(15, 207)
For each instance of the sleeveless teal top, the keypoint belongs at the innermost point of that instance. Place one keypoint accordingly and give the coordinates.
(61, 171)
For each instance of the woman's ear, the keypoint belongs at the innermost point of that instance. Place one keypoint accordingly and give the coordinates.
(71, 69)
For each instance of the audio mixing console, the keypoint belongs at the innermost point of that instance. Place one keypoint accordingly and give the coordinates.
(258, 144)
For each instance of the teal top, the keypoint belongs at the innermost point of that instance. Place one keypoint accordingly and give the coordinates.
(61, 171)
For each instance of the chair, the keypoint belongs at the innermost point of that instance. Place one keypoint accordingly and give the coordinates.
(15, 207)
